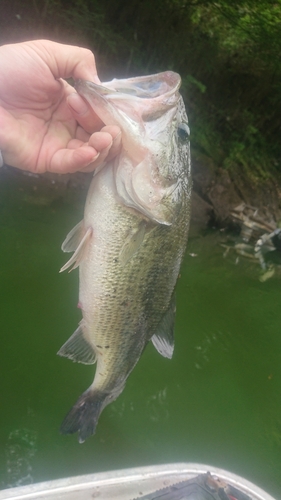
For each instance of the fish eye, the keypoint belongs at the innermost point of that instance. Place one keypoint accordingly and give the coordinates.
(183, 132)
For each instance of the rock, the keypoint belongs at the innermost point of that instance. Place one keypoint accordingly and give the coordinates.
(223, 195)
(201, 212)
(225, 191)
(264, 195)
(216, 188)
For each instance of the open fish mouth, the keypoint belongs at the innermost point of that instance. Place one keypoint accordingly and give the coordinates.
(145, 87)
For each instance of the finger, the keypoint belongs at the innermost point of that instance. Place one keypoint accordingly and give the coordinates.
(75, 144)
(103, 142)
(113, 130)
(73, 160)
(106, 143)
(109, 152)
(67, 61)
(84, 114)
(116, 135)
(106, 137)
(98, 161)
(82, 135)
(100, 141)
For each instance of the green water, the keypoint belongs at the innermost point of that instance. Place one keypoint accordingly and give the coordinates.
(218, 401)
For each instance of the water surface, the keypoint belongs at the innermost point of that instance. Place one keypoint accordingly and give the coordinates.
(218, 401)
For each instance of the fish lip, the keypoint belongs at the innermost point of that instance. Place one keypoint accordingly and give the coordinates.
(83, 86)
(169, 83)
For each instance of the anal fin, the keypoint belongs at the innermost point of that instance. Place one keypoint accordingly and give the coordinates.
(78, 349)
(163, 339)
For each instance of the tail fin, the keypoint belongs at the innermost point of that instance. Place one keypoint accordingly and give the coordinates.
(83, 416)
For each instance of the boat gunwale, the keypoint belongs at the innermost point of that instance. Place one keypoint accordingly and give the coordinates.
(175, 472)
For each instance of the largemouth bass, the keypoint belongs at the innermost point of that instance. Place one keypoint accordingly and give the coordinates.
(130, 244)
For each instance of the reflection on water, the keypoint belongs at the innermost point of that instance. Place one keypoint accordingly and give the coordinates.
(157, 406)
(209, 342)
(20, 451)
(218, 401)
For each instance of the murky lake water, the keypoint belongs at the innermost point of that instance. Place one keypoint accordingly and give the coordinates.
(218, 401)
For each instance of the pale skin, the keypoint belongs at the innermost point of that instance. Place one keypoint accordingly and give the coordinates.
(45, 126)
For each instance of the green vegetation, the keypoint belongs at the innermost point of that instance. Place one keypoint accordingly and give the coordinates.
(228, 54)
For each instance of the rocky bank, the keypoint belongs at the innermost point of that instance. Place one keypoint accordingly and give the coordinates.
(216, 194)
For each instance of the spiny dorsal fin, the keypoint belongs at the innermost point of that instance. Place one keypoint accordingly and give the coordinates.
(78, 349)
(163, 339)
(79, 253)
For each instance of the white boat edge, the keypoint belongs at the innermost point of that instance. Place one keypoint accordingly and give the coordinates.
(127, 483)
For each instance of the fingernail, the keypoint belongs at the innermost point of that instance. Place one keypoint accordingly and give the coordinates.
(93, 159)
(117, 137)
(77, 104)
(106, 150)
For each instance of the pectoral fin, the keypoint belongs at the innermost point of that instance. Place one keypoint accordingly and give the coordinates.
(73, 238)
(163, 339)
(132, 243)
(78, 349)
(71, 243)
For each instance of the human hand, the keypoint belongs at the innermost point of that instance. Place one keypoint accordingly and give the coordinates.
(44, 124)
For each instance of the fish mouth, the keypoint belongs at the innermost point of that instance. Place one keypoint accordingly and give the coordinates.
(161, 85)
(133, 103)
